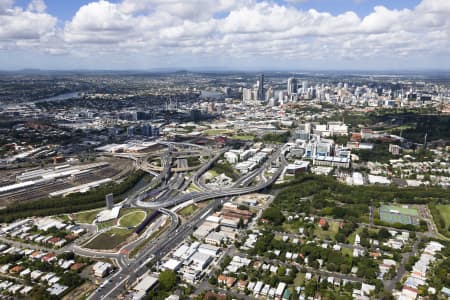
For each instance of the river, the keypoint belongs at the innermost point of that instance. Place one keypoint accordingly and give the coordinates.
(61, 97)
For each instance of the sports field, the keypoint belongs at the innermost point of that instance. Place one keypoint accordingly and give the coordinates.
(398, 214)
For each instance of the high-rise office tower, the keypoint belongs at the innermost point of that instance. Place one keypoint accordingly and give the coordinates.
(292, 86)
(261, 94)
(130, 131)
(109, 201)
(246, 95)
(304, 86)
(147, 130)
(269, 93)
(155, 131)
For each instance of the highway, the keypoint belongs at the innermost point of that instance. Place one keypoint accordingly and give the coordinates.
(234, 191)
(155, 250)
(163, 197)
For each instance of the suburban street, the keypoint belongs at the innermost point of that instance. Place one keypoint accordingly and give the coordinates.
(131, 269)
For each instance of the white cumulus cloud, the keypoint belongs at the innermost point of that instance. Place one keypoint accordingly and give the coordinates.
(235, 30)
(37, 6)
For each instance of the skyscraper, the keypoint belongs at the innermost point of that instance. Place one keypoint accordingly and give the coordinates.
(304, 86)
(130, 131)
(269, 93)
(147, 130)
(292, 86)
(246, 95)
(261, 94)
(109, 201)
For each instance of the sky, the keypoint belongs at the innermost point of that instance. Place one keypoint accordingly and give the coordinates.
(225, 34)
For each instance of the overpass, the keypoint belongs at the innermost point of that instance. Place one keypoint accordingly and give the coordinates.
(207, 195)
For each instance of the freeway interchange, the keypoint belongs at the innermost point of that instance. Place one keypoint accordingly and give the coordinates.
(166, 190)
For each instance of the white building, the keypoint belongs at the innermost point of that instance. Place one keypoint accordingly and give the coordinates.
(102, 269)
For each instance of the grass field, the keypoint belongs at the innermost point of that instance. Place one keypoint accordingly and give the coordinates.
(188, 210)
(329, 234)
(126, 211)
(291, 227)
(106, 224)
(441, 217)
(299, 279)
(444, 210)
(132, 219)
(86, 216)
(347, 252)
(110, 239)
(89, 216)
(243, 137)
(218, 131)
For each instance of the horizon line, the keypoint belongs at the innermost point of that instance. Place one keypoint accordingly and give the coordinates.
(218, 69)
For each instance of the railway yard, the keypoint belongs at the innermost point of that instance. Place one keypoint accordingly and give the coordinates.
(175, 179)
(37, 183)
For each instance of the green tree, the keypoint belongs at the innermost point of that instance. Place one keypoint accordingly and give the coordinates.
(274, 215)
(212, 280)
(167, 280)
(383, 234)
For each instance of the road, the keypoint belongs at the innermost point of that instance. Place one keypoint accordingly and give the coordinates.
(156, 250)
(390, 284)
(207, 195)
(131, 269)
(301, 238)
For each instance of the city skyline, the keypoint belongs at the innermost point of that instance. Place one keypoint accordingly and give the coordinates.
(225, 35)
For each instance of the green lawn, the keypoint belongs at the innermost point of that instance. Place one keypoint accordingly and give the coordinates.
(347, 251)
(329, 234)
(64, 218)
(132, 219)
(106, 224)
(299, 279)
(89, 216)
(213, 173)
(86, 216)
(351, 237)
(193, 188)
(110, 239)
(403, 127)
(292, 227)
(243, 137)
(188, 210)
(126, 211)
(278, 237)
(218, 131)
(444, 211)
